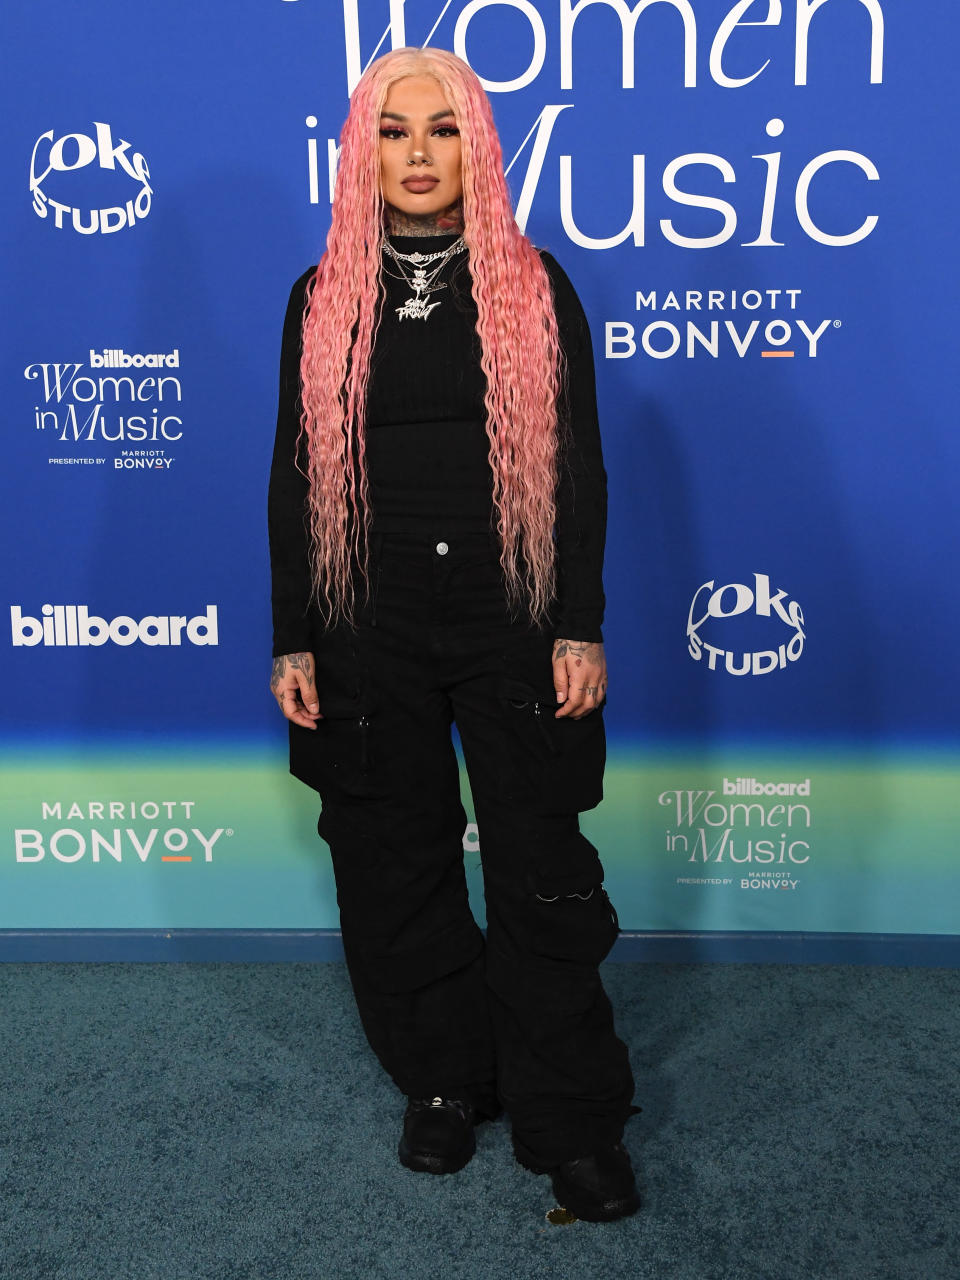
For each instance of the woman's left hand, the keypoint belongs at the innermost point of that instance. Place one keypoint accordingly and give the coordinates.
(579, 676)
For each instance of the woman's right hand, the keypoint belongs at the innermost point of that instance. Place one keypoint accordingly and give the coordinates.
(293, 684)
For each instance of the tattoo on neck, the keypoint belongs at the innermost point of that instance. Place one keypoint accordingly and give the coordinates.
(448, 221)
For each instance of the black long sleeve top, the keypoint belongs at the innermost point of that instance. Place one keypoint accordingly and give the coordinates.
(426, 444)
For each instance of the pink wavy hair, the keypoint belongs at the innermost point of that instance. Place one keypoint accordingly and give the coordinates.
(521, 354)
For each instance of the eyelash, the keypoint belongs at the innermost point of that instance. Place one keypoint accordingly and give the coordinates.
(393, 132)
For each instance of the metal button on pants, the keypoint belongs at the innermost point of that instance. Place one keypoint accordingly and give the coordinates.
(521, 1016)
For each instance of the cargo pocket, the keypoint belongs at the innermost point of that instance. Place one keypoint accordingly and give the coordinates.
(575, 930)
(339, 757)
(573, 919)
(565, 939)
(554, 765)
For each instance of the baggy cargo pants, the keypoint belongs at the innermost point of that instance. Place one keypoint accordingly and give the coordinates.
(523, 1018)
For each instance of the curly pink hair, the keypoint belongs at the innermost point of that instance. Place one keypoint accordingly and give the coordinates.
(521, 354)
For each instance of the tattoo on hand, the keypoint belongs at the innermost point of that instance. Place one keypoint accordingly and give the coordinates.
(276, 674)
(297, 662)
(590, 650)
(589, 654)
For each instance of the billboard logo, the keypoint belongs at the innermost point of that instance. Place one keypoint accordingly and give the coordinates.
(75, 151)
(70, 625)
(118, 398)
(733, 600)
(754, 787)
(116, 358)
(705, 829)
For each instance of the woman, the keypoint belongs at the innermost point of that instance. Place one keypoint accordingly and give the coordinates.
(437, 513)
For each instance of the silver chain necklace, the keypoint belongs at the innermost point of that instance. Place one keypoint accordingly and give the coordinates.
(423, 283)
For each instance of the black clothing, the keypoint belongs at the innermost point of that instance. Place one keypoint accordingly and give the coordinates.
(521, 1018)
(524, 1017)
(427, 445)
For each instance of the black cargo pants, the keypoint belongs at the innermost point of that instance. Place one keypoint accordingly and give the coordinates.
(522, 1019)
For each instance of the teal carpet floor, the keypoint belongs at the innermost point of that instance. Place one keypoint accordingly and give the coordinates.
(227, 1122)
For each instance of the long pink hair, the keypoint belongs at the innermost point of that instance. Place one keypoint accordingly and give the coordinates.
(517, 327)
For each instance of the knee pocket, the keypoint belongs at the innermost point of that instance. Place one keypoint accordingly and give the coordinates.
(554, 934)
(557, 908)
(578, 927)
(558, 972)
(562, 862)
(554, 765)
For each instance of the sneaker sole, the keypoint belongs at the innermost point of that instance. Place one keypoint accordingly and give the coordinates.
(429, 1162)
(590, 1210)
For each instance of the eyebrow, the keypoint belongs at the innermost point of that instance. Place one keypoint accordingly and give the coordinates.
(395, 115)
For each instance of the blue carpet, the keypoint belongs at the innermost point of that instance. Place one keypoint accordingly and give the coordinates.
(227, 1122)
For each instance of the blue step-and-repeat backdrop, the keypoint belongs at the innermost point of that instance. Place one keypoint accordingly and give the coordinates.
(756, 200)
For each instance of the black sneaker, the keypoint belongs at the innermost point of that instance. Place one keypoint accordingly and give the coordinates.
(437, 1135)
(597, 1188)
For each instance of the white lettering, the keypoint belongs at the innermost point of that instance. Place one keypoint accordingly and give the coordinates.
(628, 25)
(619, 341)
(726, 29)
(803, 188)
(535, 65)
(805, 11)
(29, 845)
(74, 625)
(543, 125)
(699, 201)
(634, 225)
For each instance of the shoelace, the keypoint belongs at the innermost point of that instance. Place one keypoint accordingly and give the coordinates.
(438, 1102)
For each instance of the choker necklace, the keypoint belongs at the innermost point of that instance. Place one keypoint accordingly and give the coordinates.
(423, 282)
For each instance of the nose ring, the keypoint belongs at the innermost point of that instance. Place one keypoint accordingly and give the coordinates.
(425, 159)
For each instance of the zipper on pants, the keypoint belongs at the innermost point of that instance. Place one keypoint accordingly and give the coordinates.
(544, 731)
(364, 727)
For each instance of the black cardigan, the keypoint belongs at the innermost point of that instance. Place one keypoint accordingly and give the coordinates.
(426, 444)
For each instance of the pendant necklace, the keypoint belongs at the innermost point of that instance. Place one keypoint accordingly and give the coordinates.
(423, 282)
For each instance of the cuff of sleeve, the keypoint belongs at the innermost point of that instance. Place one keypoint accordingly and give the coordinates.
(582, 625)
(292, 641)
